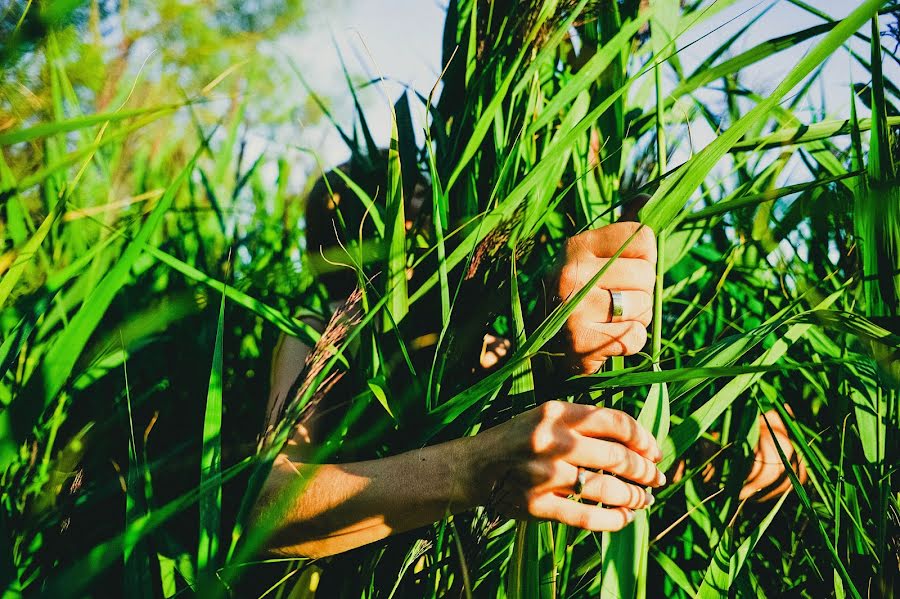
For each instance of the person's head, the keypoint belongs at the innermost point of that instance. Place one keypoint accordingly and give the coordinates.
(336, 219)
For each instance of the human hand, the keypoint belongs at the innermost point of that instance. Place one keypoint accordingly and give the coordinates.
(493, 350)
(768, 478)
(603, 325)
(532, 464)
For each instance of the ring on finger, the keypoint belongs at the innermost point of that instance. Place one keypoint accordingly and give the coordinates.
(578, 487)
(617, 304)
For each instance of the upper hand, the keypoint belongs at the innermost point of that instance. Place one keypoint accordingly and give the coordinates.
(591, 333)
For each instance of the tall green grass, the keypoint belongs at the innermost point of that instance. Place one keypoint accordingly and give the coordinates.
(136, 335)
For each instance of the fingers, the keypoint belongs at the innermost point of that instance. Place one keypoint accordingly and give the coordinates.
(621, 274)
(606, 241)
(493, 350)
(591, 343)
(613, 425)
(615, 458)
(580, 515)
(597, 306)
(609, 490)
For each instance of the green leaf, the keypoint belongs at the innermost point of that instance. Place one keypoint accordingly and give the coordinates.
(61, 357)
(211, 458)
(728, 562)
(378, 388)
(663, 209)
(395, 282)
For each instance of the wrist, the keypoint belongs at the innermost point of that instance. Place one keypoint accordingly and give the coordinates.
(469, 465)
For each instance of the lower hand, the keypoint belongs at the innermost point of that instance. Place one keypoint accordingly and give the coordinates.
(530, 466)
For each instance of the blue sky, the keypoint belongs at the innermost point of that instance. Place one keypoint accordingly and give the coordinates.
(401, 40)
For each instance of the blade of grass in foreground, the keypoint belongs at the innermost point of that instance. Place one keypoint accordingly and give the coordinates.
(727, 563)
(802, 134)
(210, 460)
(395, 283)
(137, 557)
(526, 577)
(74, 124)
(625, 553)
(673, 194)
(69, 344)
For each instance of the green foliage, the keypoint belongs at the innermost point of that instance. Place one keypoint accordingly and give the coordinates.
(139, 306)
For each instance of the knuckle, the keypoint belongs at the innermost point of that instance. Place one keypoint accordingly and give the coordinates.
(551, 410)
(541, 440)
(620, 420)
(568, 279)
(591, 520)
(625, 227)
(592, 364)
(576, 244)
(633, 428)
(645, 308)
(555, 470)
(646, 235)
(601, 486)
(532, 504)
(647, 274)
(644, 240)
(615, 454)
(579, 335)
(634, 339)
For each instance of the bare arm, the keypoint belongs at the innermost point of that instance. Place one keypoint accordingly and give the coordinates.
(528, 467)
(319, 510)
(525, 468)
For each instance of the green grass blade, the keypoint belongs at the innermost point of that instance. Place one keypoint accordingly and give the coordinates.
(669, 200)
(61, 357)
(137, 556)
(728, 562)
(802, 134)
(211, 459)
(395, 282)
(291, 326)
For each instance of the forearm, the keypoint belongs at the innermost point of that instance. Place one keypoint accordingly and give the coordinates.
(320, 510)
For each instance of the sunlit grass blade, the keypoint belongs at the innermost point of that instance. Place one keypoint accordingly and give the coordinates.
(395, 282)
(802, 134)
(668, 201)
(211, 459)
(62, 356)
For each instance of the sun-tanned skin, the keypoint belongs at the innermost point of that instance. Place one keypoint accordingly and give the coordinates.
(526, 467)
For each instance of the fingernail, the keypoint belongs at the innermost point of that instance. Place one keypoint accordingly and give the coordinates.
(629, 516)
(661, 478)
(650, 499)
